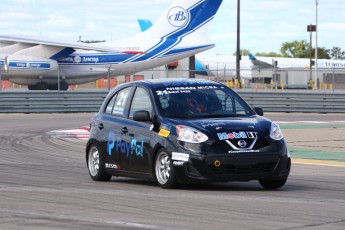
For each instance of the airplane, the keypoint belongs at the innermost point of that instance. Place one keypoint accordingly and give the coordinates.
(39, 63)
(268, 62)
(222, 66)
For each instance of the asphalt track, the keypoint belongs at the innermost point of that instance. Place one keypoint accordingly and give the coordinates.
(44, 184)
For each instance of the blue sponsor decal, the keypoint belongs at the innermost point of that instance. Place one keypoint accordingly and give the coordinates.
(132, 148)
(237, 135)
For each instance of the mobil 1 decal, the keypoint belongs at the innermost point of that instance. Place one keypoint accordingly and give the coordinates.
(237, 135)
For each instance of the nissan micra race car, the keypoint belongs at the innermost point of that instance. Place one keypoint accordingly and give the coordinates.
(182, 131)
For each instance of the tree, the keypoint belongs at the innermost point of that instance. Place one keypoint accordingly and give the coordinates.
(336, 53)
(295, 49)
(270, 54)
(243, 52)
(322, 53)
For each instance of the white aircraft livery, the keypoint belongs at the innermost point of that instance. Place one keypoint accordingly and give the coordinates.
(179, 33)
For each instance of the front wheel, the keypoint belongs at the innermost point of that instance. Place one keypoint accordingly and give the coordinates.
(272, 184)
(164, 171)
(95, 164)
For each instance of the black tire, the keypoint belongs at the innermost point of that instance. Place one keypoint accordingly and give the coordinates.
(63, 86)
(164, 171)
(272, 184)
(42, 86)
(32, 87)
(95, 164)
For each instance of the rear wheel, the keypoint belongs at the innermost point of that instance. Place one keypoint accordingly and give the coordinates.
(95, 165)
(272, 184)
(164, 171)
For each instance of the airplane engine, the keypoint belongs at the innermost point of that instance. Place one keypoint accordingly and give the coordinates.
(30, 65)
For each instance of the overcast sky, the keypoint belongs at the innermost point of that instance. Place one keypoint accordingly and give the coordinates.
(265, 24)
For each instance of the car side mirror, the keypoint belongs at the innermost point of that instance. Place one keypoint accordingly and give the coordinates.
(142, 115)
(259, 111)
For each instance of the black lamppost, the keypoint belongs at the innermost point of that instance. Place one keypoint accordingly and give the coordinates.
(238, 49)
(311, 28)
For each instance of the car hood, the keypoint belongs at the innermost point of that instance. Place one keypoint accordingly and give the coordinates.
(214, 126)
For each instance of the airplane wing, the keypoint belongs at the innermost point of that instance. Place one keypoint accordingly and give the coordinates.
(56, 43)
(259, 64)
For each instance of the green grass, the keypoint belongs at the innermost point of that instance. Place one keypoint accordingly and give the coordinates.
(316, 154)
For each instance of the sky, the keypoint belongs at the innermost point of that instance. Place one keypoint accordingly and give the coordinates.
(265, 24)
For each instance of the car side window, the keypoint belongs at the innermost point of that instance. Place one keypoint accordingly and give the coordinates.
(120, 101)
(141, 101)
(226, 101)
(110, 106)
(239, 108)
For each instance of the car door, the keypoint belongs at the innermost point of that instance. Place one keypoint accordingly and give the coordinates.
(110, 123)
(138, 134)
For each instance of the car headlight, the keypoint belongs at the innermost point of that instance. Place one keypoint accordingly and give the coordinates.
(276, 133)
(188, 134)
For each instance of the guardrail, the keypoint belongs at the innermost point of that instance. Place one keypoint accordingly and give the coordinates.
(90, 101)
(288, 101)
(51, 102)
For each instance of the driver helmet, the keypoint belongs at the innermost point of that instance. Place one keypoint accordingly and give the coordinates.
(197, 104)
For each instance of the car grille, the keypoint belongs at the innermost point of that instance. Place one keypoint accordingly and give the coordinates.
(243, 169)
(221, 146)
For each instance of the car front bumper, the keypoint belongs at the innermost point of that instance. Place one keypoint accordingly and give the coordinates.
(234, 167)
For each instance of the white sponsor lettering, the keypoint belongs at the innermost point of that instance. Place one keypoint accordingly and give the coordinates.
(90, 59)
(180, 157)
(244, 151)
(178, 163)
(110, 166)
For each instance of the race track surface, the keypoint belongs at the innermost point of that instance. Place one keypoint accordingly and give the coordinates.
(44, 184)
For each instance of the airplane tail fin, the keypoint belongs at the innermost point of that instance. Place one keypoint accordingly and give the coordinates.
(181, 29)
(252, 57)
(257, 64)
(185, 16)
(144, 24)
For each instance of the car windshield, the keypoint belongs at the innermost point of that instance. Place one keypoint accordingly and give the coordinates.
(200, 101)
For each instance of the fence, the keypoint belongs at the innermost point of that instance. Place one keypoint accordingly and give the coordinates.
(90, 101)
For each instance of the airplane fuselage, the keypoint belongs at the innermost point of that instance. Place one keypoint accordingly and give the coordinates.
(82, 67)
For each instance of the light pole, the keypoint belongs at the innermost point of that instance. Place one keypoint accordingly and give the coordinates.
(238, 49)
(311, 28)
(316, 54)
(109, 77)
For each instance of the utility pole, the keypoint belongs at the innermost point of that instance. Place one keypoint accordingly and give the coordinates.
(316, 51)
(311, 28)
(238, 49)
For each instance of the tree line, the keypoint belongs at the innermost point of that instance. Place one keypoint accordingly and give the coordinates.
(301, 49)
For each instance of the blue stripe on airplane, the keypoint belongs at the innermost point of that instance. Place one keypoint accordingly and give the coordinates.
(181, 50)
(29, 65)
(101, 59)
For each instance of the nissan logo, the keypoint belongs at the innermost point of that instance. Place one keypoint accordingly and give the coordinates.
(242, 143)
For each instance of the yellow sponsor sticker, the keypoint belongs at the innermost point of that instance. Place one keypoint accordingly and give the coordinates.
(163, 133)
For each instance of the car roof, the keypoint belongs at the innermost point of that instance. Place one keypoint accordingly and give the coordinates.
(166, 82)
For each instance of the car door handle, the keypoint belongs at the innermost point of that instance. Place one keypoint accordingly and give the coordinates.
(100, 126)
(124, 130)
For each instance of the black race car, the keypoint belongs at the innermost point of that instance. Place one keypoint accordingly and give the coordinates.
(179, 131)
